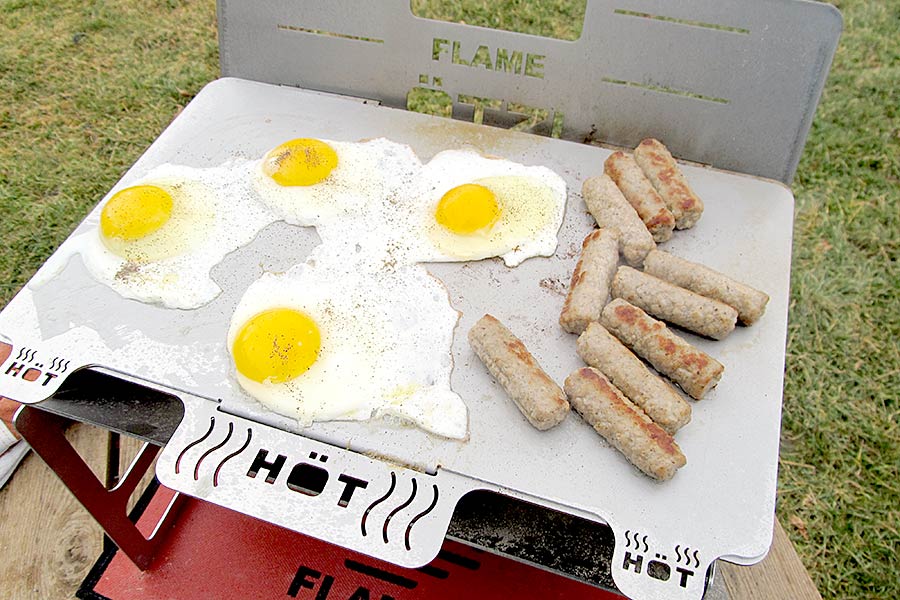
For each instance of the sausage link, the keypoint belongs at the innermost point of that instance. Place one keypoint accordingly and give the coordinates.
(644, 443)
(750, 303)
(674, 304)
(694, 370)
(589, 288)
(601, 350)
(610, 209)
(660, 167)
(641, 194)
(538, 397)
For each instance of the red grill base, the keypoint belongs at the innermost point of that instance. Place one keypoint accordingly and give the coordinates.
(213, 552)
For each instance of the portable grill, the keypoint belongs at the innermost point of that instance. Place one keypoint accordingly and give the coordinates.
(729, 84)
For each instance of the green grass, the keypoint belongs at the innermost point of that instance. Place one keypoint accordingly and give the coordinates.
(85, 87)
(842, 415)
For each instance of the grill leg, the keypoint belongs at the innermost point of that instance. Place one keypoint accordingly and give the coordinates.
(45, 432)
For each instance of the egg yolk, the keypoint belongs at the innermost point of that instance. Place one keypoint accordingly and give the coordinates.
(468, 208)
(135, 212)
(276, 345)
(302, 161)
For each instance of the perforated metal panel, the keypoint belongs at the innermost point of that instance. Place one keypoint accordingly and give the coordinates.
(731, 83)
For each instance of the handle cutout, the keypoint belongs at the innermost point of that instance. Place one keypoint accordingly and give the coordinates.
(564, 20)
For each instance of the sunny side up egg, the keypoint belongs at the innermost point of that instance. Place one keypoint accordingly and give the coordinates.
(337, 187)
(344, 337)
(465, 206)
(157, 240)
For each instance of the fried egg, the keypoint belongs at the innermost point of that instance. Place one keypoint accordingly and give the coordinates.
(157, 240)
(466, 206)
(342, 337)
(334, 186)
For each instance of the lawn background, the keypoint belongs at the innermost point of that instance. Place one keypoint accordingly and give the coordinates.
(86, 86)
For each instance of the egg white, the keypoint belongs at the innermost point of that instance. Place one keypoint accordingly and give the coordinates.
(352, 194)
(214, 213)
(386, 331)
(532, 200)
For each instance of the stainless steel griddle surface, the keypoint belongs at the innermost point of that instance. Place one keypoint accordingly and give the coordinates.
(725, 495)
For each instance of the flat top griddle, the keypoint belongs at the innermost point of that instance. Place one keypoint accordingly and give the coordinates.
(720, 504)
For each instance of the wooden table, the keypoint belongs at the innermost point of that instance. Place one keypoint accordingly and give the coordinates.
(48, 542)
